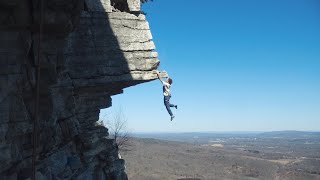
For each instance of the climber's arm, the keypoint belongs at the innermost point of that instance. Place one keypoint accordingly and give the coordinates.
(158, 74)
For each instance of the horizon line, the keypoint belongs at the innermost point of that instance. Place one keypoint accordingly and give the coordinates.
(241, 132)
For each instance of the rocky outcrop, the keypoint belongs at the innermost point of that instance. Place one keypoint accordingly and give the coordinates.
(89, 51)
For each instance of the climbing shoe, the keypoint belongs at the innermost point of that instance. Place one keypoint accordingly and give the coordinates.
(172, 118)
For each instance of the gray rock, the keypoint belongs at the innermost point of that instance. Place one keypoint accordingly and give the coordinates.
(99, 5)
(40, 176)
(89, 52)
(134, 5)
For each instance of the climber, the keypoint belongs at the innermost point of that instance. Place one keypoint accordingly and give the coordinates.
(166, 93)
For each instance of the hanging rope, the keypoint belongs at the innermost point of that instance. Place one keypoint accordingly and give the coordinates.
(36, 108)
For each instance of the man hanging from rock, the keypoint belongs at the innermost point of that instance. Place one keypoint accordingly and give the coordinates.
(166, 93)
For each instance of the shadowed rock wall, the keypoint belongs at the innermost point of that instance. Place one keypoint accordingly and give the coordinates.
(90, 51)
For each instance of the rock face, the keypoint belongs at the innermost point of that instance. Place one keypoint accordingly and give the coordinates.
(89, 51)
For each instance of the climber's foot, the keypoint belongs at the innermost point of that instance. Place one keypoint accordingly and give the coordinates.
(172, 117)
(176, 106)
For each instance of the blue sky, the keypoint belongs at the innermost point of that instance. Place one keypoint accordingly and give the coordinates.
(236, 66)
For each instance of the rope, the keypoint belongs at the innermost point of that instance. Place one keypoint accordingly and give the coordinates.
(36, 109)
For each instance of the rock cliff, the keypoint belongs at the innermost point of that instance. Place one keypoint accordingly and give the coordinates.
(89, 50)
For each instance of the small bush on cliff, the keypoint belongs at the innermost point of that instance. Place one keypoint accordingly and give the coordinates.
(117, 125)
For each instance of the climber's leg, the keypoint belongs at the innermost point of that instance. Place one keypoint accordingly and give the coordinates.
(172, 105)
(167, 104)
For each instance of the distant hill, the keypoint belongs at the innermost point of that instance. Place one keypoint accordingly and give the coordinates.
(188, 135)
(204, 137)
(290, 134)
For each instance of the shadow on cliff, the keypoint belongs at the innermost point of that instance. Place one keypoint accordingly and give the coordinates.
(95, 63)
(83, 64)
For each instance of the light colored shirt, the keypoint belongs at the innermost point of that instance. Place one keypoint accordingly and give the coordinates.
(166, 88)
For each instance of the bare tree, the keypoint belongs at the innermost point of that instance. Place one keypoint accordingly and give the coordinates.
(117, 125)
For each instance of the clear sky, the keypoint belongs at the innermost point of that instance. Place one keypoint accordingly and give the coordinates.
(244, 65)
